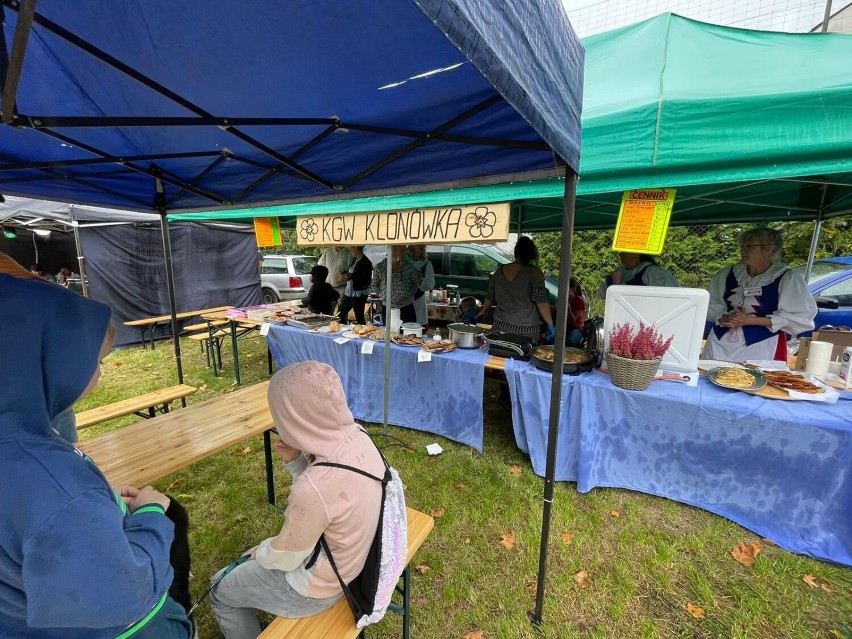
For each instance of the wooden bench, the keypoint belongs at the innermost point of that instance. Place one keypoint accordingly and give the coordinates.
(337, 622)
(204, 325)
(149, 324)
(149, 402)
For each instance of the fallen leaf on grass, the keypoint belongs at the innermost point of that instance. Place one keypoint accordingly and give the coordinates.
(149, 366)
(467, 540)
(437, 513)
(473, 634)
(695, 611)
(768, 542)
(242, 452)
(461, 486)
(431, 460)
(745, 553)
(826, 587)
(203, 387)
(508, 541)
(516, 470)
(421, 568)
(567, 537)
(118, 362)
(408, 450)
(174, 484)
(581, 579)
(811, 581)
(614, 513)
(532, 587)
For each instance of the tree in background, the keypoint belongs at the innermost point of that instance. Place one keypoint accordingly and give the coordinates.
(692, 253)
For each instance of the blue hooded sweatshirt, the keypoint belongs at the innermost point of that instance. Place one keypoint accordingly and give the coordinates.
(73, 562)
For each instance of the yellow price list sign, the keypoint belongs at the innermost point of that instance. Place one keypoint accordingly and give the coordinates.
(643, 220)
(267, 231)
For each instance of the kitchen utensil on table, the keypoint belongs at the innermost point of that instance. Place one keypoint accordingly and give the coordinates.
(465, 335)
(575, 360)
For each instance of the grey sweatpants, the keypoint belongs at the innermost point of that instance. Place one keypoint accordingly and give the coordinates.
(250, 586)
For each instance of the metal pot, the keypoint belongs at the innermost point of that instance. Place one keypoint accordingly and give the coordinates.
(593, 338)
(465, 335)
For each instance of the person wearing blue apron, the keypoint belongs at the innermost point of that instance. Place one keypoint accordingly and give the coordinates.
(756, 303)
(637, 269)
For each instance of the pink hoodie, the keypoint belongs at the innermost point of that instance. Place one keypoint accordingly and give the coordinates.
(309, 410)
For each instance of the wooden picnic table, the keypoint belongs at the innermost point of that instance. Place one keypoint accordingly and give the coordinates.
(143, 452)
(147, 324)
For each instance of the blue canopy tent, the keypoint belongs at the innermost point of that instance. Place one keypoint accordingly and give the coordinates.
(163, 106)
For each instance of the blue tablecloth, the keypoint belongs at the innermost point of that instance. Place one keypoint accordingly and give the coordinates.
(443, 396)
(782, 469)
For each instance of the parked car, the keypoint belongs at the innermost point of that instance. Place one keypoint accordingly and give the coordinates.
(831, 285)
(467, 266)
(285, 277)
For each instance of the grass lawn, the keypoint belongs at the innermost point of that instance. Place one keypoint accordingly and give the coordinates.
(645, 559)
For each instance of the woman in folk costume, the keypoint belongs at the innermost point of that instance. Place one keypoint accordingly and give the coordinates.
(756, 303)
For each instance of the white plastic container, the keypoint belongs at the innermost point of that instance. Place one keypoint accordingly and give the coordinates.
(412, 328)
(846, 366)
(677, 312)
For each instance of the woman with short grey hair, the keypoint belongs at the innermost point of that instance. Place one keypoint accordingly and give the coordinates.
(757, 302)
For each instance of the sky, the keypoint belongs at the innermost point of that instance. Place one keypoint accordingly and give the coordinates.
(595, 16)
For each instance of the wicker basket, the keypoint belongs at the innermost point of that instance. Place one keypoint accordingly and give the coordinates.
(632, 374)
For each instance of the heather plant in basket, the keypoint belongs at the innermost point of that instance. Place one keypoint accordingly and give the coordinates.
(646, 344)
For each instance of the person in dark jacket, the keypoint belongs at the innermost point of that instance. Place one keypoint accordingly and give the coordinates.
(358, 278)
(322, 296)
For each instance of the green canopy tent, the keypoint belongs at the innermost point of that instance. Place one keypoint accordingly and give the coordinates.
(746, 125)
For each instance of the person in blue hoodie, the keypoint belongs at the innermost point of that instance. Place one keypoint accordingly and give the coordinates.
(78, 560)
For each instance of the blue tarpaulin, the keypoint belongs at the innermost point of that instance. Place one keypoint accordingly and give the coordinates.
(275, 102)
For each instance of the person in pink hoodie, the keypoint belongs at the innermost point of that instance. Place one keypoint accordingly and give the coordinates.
(311, 416)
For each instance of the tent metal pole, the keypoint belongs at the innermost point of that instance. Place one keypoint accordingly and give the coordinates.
(386, 313)
(170, 283)
(80, 258)
(556, 385)
(15, 63)
(825, 18)
(815, 236)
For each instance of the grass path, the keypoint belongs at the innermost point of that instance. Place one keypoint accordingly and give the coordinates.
(643, 566)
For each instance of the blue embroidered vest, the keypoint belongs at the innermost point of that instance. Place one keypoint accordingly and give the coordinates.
(767, 303)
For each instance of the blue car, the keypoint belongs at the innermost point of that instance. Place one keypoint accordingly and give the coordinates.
(831, 285)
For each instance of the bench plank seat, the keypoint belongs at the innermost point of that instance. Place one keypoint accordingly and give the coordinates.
(203, 325)
(147, 402)
(337, 622)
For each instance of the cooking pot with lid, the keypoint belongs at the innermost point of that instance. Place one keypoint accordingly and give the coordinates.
(412, 328)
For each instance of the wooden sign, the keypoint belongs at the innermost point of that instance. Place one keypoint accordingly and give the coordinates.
(643, 220)
(477, 223)
(267, 231)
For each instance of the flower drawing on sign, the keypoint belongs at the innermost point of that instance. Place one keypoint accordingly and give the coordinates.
(309, 229)
(647, 344)
(481, 222)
